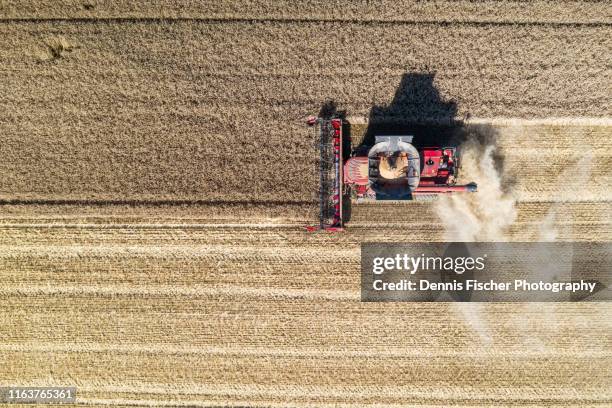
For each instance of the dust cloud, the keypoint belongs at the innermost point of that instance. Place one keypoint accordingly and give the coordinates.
(571, 180)
(482, 216)
(487, 214)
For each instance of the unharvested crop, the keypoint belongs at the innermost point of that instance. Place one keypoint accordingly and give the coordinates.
(166, 111)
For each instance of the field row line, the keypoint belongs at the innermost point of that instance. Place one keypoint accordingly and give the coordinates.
(155, 202)
(292, 351)
(173, 290)
(290, 228)
(303, 20)
(254, 226)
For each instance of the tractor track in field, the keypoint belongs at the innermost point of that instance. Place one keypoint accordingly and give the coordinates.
(149, 203)
(298, 21)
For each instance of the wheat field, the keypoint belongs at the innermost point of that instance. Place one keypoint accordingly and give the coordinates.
(156, 175)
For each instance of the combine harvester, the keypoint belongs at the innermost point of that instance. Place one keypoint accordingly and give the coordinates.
(392, 170)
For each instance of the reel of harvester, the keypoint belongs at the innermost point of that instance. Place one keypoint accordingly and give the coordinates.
(328, 134)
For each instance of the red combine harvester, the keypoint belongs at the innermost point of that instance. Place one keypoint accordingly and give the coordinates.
(392, 170)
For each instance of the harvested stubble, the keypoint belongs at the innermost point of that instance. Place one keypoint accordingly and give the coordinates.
(271, 316)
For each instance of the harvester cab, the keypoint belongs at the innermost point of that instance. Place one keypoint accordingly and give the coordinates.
(393, 169)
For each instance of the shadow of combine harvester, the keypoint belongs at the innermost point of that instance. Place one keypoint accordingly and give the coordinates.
(416, 109)
(417, 117)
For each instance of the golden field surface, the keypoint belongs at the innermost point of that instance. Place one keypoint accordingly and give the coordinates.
(156, 175)
(139, 109)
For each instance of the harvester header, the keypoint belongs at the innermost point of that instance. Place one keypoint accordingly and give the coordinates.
(329, 139)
